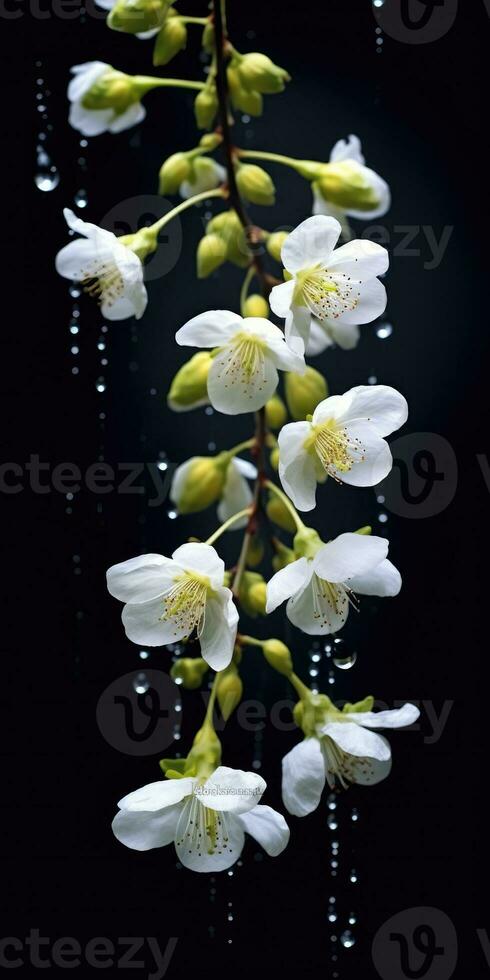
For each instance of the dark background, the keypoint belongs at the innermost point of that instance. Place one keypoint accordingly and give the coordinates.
(418, 111)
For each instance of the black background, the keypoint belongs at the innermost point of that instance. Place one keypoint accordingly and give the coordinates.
(418, 111)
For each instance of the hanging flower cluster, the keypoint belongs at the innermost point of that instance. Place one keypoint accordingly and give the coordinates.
(321, 293)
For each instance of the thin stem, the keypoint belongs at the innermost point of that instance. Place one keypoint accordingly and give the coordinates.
(208, 717)
(265, 155)
(204, 196)
(194, 20)
(247, 444)
(250, 273)
(231, 520)
(300, 688)
(287, 503)
(146, 82)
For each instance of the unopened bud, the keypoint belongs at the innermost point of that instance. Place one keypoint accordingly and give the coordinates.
(304, 393)
(208, 38)
(243, 98)
(229, 691)
(348, 184)
(252, 594)
(174, 170)
(137, 16)
(211, 253)
(111, 90)
(189, 386)
(256, 305)
(274, 458)
(278, 513)
(199, 482)
(278, 656)
(255, 551)
(171, 39)
(258, 73)
(206, 107)
(283, 556)
(255, 184)
(189, 672)
(275, 412)
(274, 244)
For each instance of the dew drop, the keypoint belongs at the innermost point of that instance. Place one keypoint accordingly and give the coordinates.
(342, 658)
(47, 180)
(144, 654)
(81, 199)
(354, 815)
(332, 822)
(100, 385)
(384, 330)
(347, 939)
(172, 514)
(141, 683)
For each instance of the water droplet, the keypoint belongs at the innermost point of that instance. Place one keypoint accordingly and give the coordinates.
(332, 822)
(347, 939)
(353, 877)
(332, 917)
(141, 683)
(47, 180)
(209, 410)
(382, 518)
(100, 385)
(313, 672)
(332, 802)
(80, 199)
(354, 815)
(75, 291)
(342, 658)
(75, 350)
(384, 330)
(315, 657)
(144, 654)
(172, 514)
(378, 3)
(352, 919)
(331, 677)
(372, 380)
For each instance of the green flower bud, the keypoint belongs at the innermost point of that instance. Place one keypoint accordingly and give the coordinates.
(274, 458)
(255, 184)
(206, 107)
(189, 387)
(255, 552)
(137, 16)
(252, 594)
(257, 72)
(256, 305)
(283, 556)
(275, 412)
(242, 98)
(278, 513)
(171, 39)
(174, 170)
(278, 656)
(199, 482)
(211, 253)
(304, 393)
(306, 543)
(274, 244)
(349, 185)
(228, 227)
(210, 141)
(208, 38)
(189, 672)
(111, 90)
(229, 691)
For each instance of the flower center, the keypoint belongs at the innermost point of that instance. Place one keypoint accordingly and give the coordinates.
(245, 363)
(335, 448)
(206, 831)
(342, 767)
(185, 604)
(328, 598)
(104, 281)
(327, 294)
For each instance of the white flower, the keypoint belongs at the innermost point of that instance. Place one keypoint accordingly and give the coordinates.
(328, 284)
(206, 174)
(167, 598)
(349, 151)
(331, 333)
(110, 270)
(344, 752)
(127, 110)
(321, 589)
(206, 821)
(344, 439)
(243, 375)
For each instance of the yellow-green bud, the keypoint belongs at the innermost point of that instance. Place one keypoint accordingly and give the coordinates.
(303, 393)
(257, 72)
(174, 170)
(278, 656)
(189, 672)
(274, 244)
(111, 90)
(210, 141)
(171, 39)
(255, 184)
(252, 594)
(242, 98)
(137, 16)
(274, 458)
(279, 514)
(284, 555)
(367, 529)
(189, 386)
(255, 551)
(306, 543)
(229, 691)
(211, 253)
(208, 38)
(348, 184)
(256, 305)
(275, 412)
(206, 107)
(199, 482)
(228, 227)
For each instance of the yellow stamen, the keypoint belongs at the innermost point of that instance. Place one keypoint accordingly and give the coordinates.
(186, 602)
(326, 293)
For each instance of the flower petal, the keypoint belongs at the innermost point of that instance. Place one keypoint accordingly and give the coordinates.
(202, 853)
(320, 337)
(347, 149)
(89, 122)
(371, 455)
(394, 718)
(315, 611)
(360, 259)
(245, 467)
(281, 298)
(371, 303)
(286, 582)
(142, 578)
(298, 474)
(267, 827)
(236, 496)
(297, 328)
(355, 740)
(303, 777)
(84, 77)
(212, 329)
(219, 631)
(144, 624)
(203, 558)
(133, 115)
(143, 830)
(231, 790)
(348, 555)
(312, 242)
(158, 795)
(232, 390)
(382, 580)
(384, 407)
(345, 335)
